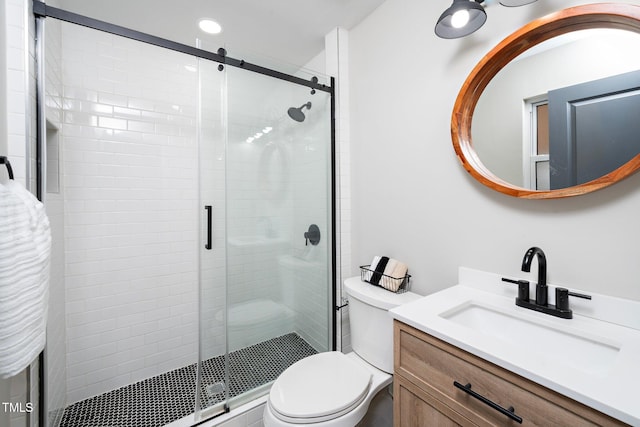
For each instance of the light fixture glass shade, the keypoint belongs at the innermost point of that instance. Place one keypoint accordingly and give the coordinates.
(445, 27)
(515, 3)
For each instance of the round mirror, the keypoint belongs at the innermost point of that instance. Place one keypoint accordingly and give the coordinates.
(553, 110)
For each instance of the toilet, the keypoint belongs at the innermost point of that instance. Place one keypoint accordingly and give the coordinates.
(335, 389)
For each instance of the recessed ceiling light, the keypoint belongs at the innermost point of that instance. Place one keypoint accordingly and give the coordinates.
(209, 26)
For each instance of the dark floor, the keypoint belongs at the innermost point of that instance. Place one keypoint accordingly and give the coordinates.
(380, 413)
(168, 397)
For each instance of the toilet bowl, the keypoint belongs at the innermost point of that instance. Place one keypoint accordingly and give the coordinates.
(327, 389)
(335, 389)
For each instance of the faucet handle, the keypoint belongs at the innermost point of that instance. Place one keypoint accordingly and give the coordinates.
(562, 298)
(523, 288)
(575, 294)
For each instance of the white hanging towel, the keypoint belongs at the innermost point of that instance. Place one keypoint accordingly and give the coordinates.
(25, 251)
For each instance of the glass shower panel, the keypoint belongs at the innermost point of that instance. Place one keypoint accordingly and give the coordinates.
(126, 214)
(212, 372)
(278, 168)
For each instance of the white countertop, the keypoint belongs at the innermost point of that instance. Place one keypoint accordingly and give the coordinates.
(609, 387)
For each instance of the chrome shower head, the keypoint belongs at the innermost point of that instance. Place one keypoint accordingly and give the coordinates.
(297, 114)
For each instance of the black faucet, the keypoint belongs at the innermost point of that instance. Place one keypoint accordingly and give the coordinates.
(541, 286)
(541, 302)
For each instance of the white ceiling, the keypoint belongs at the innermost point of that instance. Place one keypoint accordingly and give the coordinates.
(288, 31)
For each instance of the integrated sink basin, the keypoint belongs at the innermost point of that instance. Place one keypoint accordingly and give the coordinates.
(578, 349)
(591, 358)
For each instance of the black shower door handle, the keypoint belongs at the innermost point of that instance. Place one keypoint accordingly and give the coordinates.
(209, 245)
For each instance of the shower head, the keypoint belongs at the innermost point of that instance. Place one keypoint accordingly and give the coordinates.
(297, 114)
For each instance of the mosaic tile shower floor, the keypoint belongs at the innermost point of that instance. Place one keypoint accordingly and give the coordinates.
(168, 397)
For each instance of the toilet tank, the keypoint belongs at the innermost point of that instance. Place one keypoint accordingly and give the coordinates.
(370, 323)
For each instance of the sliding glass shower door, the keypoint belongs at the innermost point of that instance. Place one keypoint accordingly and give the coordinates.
(212, 137)
(265, 187)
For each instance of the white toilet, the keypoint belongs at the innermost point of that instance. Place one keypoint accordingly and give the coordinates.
(334, 389)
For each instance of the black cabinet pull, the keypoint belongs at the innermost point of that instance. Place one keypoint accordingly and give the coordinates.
(208, 245)
(508, 412)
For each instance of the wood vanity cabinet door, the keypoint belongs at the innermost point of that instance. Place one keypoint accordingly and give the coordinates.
(412, 407)
(426, 367)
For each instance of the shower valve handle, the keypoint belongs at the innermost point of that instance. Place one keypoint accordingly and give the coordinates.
(312, 235)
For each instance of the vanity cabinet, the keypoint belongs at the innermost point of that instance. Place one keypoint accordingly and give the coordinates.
(425, 369)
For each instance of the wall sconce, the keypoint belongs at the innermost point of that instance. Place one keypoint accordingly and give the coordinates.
(464, 17)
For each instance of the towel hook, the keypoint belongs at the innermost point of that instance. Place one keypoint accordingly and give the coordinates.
(5, 161)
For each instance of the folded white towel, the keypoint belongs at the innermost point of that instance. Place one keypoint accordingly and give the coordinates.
(368, 274)
(25, 250)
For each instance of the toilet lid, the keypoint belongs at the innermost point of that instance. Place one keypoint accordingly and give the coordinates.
(319, 387)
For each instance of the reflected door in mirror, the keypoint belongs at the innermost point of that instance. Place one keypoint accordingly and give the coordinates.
(594, 128)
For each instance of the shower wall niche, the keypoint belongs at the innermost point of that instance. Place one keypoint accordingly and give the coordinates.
(150, 141)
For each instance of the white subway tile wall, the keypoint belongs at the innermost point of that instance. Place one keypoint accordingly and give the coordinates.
(17, 95)
(56, 327)
(131, 214)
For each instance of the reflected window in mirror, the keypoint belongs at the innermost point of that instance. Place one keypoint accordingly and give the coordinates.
(536, 165)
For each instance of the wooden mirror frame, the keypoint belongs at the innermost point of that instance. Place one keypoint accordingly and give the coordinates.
(617, 16)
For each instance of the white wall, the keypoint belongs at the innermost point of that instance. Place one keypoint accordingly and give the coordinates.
(411, 198)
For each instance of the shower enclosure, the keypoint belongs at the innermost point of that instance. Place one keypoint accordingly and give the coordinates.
(192, 222)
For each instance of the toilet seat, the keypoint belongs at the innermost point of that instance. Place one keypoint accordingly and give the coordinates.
(319, 388)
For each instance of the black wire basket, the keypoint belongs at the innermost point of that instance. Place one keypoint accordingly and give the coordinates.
(389, 283)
